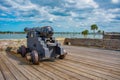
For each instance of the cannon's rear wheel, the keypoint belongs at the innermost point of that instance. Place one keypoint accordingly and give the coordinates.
(23, 51)
(35, 57)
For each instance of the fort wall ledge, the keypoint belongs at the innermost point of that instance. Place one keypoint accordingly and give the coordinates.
(113, 44)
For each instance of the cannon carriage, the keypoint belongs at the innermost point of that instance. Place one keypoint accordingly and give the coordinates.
(41, 45)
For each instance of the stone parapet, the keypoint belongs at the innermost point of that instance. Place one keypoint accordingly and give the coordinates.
(113, 44)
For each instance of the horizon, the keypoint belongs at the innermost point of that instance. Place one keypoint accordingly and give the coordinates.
(62, 15)
(54, 32)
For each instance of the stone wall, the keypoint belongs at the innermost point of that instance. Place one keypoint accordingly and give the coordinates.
(111, 36)
(101, 43)
(12, 44)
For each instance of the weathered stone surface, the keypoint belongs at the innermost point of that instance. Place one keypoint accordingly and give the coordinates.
(11, 44)
(102, 43)
(111, 36)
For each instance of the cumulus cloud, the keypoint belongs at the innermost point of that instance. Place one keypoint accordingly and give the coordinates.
(81, 3)
(115, 1)
(3, 8)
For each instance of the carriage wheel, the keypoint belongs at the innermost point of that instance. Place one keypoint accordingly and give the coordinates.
(23, 51)
(63, 56)
(35, 57)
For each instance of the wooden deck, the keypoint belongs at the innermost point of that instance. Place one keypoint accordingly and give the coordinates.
(80, 64)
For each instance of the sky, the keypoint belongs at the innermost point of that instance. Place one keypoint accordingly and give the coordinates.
(62, 15)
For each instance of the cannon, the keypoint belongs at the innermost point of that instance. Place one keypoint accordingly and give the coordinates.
(41, 45)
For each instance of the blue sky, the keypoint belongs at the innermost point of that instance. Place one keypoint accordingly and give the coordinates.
(62, 15)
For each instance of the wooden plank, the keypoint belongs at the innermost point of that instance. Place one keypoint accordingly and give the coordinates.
(67, 72)
(98, 56)
(18, 75)
(1, 76)
(6, 72)
(95, 62)
(21, 67)
(29, 68)
(90, 70)
(100, 69)
(73, 70)
(58, 72)
(48, 73)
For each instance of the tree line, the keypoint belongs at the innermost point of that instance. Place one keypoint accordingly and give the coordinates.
(10, 32)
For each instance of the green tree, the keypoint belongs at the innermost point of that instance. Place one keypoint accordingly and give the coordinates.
(85, 33)
(94, 27)
(99, 31)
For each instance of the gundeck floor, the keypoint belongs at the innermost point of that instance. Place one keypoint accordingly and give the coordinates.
(80, 64)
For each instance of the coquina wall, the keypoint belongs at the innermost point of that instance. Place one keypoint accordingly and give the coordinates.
(102, 43)
(12, 44)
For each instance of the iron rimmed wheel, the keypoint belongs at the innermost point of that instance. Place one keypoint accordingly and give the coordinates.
(23, 51)
(35, 57)
(63, 56)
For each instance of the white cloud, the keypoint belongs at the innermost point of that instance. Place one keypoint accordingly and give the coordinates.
(115, 1)
(23, 8)
(73, 14)
(58, 25)
(3, 8)
(81, 4)
(114, 10)
(100, 15)
(3, 14)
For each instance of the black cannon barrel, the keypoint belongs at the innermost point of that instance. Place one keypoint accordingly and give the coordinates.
(46, 31)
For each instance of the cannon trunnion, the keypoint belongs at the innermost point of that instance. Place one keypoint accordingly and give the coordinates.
(41, 45)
